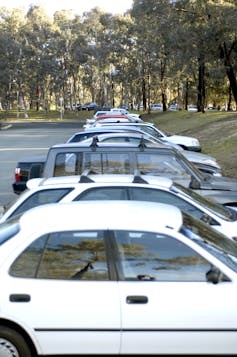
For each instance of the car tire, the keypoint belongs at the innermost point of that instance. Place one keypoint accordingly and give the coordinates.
(12, 344)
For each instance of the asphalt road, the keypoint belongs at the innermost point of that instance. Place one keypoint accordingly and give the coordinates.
(19, 140)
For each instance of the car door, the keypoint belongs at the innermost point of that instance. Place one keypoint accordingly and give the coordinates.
(61, 289)
(167, 305)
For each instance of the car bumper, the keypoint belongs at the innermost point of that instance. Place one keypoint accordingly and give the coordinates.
(18, 187)
(194, 148)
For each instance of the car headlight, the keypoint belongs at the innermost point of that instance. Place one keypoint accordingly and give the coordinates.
(195, 142)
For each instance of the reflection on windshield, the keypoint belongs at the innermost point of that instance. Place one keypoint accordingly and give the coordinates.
(216, 243)
(218, 209)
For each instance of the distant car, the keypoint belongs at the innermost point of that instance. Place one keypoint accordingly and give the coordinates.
(173, 107)
(123, 187)
(107, 119)
(156, 107)
(136, 278)
(89, 106)
(107, 116)
(125, 112)
(211, 108)
(192, 108)
(99, 113)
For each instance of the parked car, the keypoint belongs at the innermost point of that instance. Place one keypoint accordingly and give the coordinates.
(111, 115)
(173, 107)
(150, 159)
(108, 119)
(138, 278)
(192, 108)
(125, 112)
(205, 163)
(99, 113)
(89, 106)
(186, 142)
(156, 107)
(123, 187)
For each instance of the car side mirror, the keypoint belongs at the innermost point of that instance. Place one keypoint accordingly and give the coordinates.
(213, 275)
(194, 183)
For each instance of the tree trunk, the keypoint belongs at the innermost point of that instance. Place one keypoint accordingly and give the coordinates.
(201, 84)
(225, 55)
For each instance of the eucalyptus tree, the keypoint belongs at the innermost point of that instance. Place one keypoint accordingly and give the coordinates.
(223, 24)
(11, 65)
(38, 33)
(211, 44)
(156, 43)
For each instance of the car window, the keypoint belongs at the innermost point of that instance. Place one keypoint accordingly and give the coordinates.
(107, 163)
(160, 164)
(68, 164)
(80, 137)
(103, 193)
(150, 256)
(40, 198)
(156, 195)
(144, 194)
(64, 255)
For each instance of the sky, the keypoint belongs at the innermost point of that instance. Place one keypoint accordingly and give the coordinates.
(78, 6)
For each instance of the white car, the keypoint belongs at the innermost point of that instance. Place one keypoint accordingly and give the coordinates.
(192, 108)
(120, 187)
(156, 107)
(186, 142)
(135, 278)
(113, 111)
(125, 112)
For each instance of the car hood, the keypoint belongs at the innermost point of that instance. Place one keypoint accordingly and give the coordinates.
(181, 139)
(200, 158)
(220, 183)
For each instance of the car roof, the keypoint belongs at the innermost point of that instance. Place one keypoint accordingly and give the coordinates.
(133, 124)
(101, 179)
(112, 214)
(111, 115)
(93, 143)
(124, 134)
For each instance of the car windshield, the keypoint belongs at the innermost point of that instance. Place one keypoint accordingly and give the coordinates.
(220, 210)
(219, 245)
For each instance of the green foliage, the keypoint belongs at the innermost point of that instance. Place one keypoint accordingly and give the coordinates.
(151, 54)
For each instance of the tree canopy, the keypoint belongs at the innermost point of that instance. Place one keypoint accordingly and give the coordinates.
(160, 51)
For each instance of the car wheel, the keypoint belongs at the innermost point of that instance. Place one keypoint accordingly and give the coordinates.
(12, 344)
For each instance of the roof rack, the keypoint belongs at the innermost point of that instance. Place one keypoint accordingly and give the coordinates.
(94, 142)
(137, 177)
(84, 177)
(142, 144)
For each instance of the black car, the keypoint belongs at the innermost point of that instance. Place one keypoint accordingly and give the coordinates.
(89, 106)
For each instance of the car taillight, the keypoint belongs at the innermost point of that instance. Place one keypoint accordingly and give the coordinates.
(17, 174)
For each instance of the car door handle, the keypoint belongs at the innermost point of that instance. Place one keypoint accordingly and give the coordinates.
(137, 299)
(19, 298)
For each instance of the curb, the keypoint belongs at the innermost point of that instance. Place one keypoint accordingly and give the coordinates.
(4, 127)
